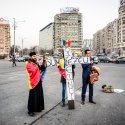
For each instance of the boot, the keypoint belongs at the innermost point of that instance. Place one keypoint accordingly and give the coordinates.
(83, 100)
(91, 101)
(63, 103)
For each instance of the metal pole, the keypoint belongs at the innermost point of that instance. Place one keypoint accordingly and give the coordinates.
(22, 47)
(14, 23)
(14, 37)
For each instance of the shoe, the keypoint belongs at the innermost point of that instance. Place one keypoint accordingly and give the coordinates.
(91, 101)
(83, 102)
(31, 114)
(63, 104)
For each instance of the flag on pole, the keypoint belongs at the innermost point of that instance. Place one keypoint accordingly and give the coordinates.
(67, 43)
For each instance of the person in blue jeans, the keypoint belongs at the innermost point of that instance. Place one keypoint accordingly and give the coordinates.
(86, 66)
(63, 81)
(63, 77)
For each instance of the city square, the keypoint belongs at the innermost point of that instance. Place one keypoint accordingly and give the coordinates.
(62, 62)
(14, 94)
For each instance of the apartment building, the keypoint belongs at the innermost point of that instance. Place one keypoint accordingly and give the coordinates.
(88, 44)
(46, 37)
(68, 26)
(111, 38)
(4, 37)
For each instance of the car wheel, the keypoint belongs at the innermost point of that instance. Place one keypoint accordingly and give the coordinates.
(117, 62)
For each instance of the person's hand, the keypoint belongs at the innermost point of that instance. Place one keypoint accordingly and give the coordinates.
(91, 61)
(41, 61)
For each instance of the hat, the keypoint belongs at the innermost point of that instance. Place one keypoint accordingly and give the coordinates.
(97, 69)
(32, 53)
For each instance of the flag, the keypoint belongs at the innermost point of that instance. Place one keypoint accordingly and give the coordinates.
(68, 43)
(62, 72)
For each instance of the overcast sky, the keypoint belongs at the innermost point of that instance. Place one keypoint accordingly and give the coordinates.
(38, 13)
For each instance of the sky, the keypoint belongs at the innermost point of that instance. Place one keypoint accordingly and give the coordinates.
(39, 13)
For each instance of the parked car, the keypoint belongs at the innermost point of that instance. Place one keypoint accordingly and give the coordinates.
(96, 59)
(26, 57)
(10, 59)
(21, 59)
(105, 59)
(120, 60)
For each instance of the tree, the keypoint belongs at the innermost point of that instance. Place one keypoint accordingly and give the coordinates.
(17, 49)
(26, 51)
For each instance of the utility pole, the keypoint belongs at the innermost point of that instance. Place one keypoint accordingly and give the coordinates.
(22, 47)
(14, 26)
(14, 36)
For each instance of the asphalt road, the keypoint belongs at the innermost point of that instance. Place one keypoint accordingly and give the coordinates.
(109, 110)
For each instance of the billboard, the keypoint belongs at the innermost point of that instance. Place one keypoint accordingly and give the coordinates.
(122, 2)
(69, 10)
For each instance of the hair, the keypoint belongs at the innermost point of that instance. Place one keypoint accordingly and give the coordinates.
(86, 51)
(32, 53)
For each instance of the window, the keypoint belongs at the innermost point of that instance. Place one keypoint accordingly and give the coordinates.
(123, 21)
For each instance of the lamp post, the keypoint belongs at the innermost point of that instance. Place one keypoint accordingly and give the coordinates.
(14, 25)
(22, 47)
(14, 36)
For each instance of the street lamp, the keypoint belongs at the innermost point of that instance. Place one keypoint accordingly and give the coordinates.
(14, 25)
(22, 46)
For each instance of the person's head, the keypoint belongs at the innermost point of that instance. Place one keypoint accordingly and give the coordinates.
(33, 56)
(87, 52)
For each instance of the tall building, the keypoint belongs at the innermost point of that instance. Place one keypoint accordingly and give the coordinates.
(68, 26)
(111, 39)
(88, 44)
(105, 40)
(4, 37)
(121, 28)
(46, 37)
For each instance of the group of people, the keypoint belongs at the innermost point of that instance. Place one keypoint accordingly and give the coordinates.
(36, 72)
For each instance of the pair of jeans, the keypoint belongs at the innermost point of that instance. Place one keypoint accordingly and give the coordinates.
(84, 88)
(63, 90)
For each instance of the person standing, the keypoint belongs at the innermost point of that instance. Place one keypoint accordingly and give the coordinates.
(36, 98)
(86, 66)
(62, 71)
(13, 61)
(43, 67)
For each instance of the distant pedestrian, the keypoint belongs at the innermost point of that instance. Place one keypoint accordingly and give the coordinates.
(87, 66)
(13, 61)
(36, 97)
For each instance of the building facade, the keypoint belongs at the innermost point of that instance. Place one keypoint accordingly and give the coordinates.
(46, 37)
(68, 26)
(88, 44)
(121, 28)
(4, 37)
(111, 39)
